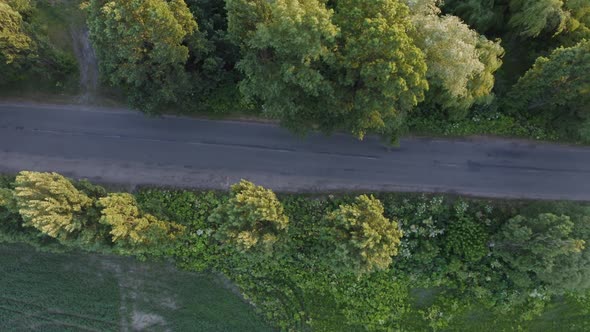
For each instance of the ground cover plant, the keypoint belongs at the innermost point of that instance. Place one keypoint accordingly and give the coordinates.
(77, 291)
(370, 263)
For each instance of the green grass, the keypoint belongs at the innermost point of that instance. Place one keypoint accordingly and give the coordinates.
(560, 315)
(82, 292)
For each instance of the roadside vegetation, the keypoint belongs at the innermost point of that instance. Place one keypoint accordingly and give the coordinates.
(374, 262)
(36, 48)
(387, 67)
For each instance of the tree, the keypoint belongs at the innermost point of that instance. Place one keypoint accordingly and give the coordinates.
(14, 41)
(364, 240)
(557, 88)
(285, 45)
(7, 200)
(538, 249)
(130, 227)
(50, 203)
(140, 47)
(16, 46)
(252, 218)
(351, 67)
(530, 18)
(460, 62)
(379, 71)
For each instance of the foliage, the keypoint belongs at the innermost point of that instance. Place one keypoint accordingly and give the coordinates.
(194, 249)
(8, 201)
(460, 62)
(532, 17)
(26, 52)
(14, 41)
(537, 250)
(448, 274)
(364, 239)
(140, 47)
(352, 68)
(467, 239)
(50, 203)
(129, 227)
(484, 15)
(284, 47)
(380, 72)
(557, 89)
(252, 217)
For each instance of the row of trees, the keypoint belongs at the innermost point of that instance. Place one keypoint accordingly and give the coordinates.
(358, 66)
(357, 237)
(251, 221)
(289, 252)
(51, 204)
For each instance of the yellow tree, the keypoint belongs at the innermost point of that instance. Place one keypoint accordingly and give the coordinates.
(252, 217)
(129, 226)
(363, 238)
(50, 203)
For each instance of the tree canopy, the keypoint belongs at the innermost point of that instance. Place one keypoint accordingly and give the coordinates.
(50, 203)
(140, 45)
(130, 227)
(351, 66)
(14, 40)
(557, 88)
(253, 218)
(537, 249)
(364, 240)
(285, 45)
(460, 62)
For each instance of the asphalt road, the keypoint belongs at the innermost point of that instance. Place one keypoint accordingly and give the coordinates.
(117, 146)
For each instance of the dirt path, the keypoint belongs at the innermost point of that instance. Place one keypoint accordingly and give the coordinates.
(87, 62)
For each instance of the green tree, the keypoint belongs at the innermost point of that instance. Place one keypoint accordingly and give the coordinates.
(285, 45)
(380, 73)
(129, 227)
(363, 238)
(460, 62)
(252, 218)
(538, 249)
(351, 67)
(50, 203)
(530, 18)
(557, 89)
(140, 47)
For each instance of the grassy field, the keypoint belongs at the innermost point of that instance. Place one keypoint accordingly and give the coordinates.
(81, 292)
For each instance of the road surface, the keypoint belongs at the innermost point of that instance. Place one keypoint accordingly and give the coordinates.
(118, 146)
